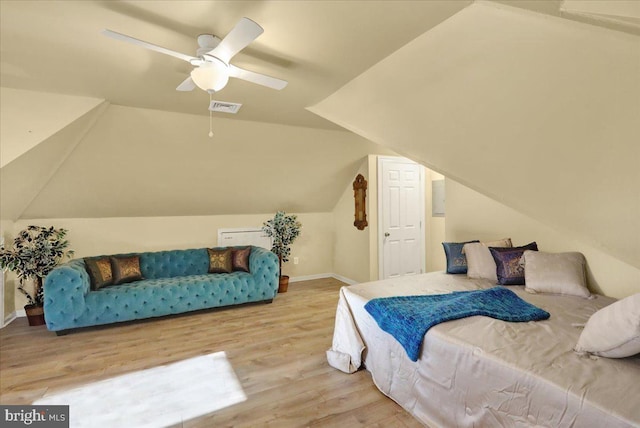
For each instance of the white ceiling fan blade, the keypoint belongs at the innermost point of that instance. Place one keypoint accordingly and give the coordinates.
(260, 79)
(147, 45)
(187, 85)
(245, 32)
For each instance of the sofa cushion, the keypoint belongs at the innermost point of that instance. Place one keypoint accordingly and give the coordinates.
(99, 270)
(174, 263)
(125, 269)
(220, 260)
(240, 259)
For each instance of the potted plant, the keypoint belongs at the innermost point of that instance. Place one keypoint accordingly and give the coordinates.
(283, 229)
(35, 252)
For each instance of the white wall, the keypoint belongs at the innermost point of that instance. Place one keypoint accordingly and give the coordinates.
(471, 215)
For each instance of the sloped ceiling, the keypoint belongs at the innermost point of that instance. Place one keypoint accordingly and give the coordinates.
(139, 162)
(56, 46)
(539, 113)
(144, 150)
(23, 179)
(47, 114)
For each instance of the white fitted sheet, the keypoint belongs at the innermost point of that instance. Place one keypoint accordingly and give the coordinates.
(482, 372)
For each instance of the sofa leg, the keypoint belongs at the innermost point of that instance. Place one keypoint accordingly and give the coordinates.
(268, 301)
(62, 332)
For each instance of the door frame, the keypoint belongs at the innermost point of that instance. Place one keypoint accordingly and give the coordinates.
(423, 260)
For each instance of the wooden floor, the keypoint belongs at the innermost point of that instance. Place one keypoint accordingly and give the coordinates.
(277, 351)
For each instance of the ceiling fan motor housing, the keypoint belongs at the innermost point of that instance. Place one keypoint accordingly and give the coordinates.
(207, 42)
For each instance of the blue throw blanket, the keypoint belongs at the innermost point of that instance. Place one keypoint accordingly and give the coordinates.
(408, 318)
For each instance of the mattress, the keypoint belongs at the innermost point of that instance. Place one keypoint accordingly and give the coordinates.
(479, 371)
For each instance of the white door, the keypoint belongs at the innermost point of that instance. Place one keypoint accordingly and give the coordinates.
(401, 213)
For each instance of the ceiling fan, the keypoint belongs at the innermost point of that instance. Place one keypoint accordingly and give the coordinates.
(212, 68)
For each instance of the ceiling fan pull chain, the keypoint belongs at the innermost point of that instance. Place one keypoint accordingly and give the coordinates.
(210, 119)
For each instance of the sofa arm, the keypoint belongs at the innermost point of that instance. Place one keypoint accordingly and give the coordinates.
(264, 267)
(64, 293)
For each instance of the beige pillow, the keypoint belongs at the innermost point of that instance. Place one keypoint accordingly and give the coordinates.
(613, 331)
(480, 263)
(559, 273)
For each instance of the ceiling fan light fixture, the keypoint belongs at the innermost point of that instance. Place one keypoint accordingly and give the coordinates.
(211, 75)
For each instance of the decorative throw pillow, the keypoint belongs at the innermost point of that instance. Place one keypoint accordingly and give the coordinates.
(220, 260)
(240, 259)
(125, 269)
(480, 263)
(613, 331)
(509, 266)
(99, 270)
(561, 273)
(456, 261)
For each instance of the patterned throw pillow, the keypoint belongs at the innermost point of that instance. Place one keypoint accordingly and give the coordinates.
(240, 259)
(125, 269)
(509, 263)
(456, 261)
(99, 270)
(220, 260)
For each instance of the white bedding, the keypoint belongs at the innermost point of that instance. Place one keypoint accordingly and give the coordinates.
(483, 372)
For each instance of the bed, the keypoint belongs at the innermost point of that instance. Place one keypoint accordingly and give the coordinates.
(482, 372)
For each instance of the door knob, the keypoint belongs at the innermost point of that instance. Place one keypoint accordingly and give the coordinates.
(386, 234)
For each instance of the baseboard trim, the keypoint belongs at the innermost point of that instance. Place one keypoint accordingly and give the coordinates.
(344, 279)
(322, 275)
(9, 318)
(20, 313)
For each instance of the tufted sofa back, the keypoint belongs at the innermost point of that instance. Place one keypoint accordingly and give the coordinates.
(170, 264)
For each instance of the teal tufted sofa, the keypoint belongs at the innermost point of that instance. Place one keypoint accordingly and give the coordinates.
(174, 282)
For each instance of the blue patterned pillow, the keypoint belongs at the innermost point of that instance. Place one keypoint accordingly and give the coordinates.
(509, 267)
(456, 261)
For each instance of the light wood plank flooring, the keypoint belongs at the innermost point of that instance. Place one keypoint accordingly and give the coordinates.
(277, 351)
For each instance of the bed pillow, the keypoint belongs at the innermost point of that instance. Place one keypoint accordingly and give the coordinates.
(456, 261)
(613, 331)
(509, 263)
(125, 269)
(561, 273)
(480, 263)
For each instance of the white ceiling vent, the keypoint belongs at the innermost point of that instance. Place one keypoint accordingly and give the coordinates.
(224, 107)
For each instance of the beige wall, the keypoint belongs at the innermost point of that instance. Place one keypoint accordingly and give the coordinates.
(471, 215)
(96, 236)
(536, 112)
(351, 246)
(6, 231)
(435, 230)
(356, 252)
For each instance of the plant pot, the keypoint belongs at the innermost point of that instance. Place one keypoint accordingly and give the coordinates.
(283, 285)
(35, 314)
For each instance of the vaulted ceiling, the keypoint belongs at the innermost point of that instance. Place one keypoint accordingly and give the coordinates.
(93, 127)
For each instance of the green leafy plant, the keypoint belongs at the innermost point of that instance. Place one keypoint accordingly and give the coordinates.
(284, 229)
(35, 252)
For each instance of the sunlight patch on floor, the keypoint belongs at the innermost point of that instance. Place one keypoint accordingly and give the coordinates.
(156, 397)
